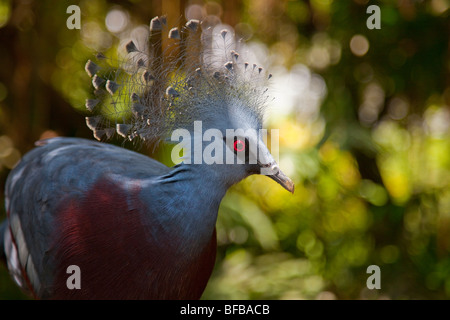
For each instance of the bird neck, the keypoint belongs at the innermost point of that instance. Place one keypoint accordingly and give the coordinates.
(205, 183)
(187, 201)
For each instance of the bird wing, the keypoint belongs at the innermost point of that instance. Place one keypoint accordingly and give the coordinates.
(59, 170)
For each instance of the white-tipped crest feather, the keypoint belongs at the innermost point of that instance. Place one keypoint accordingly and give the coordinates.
(172, 84)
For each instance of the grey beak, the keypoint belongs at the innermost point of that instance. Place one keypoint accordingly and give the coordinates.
(274, 172)
(269, 167)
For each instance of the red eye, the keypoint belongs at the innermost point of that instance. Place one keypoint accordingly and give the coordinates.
(239, 145)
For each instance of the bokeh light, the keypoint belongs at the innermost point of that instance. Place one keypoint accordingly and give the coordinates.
(359, 45)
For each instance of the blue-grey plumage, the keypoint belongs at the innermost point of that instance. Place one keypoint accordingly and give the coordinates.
(68, 195)
(49, 178)
(136, 228)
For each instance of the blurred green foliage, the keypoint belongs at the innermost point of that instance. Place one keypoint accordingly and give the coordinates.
(371, 165)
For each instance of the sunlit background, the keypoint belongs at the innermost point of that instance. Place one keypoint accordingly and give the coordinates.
(364, 119)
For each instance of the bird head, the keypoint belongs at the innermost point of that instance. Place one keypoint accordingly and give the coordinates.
(197, 89)
(244, 151)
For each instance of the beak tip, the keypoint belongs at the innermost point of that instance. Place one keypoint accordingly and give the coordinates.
(290, 187)
(282, 179)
